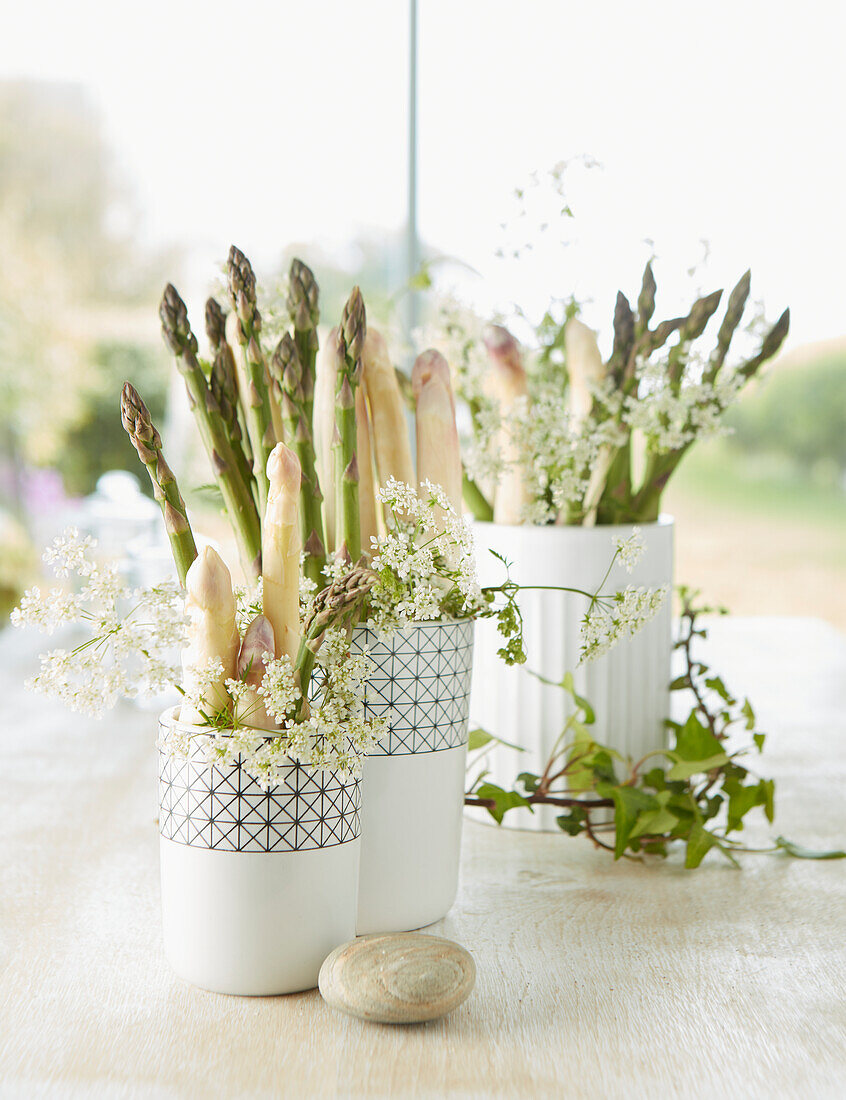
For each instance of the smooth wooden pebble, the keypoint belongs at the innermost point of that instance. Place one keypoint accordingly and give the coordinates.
(397, 978)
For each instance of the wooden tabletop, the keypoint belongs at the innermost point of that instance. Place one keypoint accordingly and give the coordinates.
(595, 979)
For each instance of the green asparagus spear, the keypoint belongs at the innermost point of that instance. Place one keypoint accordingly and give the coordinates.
(240, 506)
(135, 417)
(258, 410)
(286, 367)
(303, 294)
(645, 302)
(647, 502)
(224, 386)
(351, 334)
(338, 605)
(734, 313)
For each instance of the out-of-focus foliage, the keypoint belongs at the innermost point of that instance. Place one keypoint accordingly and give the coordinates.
(97, 441)
(798, 412)
(17, 564)
(375, 262)
(70, 273)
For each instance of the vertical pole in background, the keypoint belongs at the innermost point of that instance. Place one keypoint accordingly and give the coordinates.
(412, 244)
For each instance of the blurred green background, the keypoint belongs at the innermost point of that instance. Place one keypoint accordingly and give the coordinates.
(761, 513)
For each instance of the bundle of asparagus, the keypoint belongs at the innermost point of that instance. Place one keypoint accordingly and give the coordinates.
(299, 439)
(587, 474)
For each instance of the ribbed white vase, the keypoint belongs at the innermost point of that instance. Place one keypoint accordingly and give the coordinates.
(628, 687)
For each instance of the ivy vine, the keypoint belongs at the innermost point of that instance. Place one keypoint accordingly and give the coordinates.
(697, 793)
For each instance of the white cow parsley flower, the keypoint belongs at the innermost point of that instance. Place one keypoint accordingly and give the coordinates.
(335, 735)
(278, 686)
(127, 639)
(425, 562)
(673, 415)
(248, 603)
(610, 619)
(630, 549)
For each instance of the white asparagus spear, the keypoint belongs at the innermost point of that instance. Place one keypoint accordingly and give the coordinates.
(391, 445)
(506, 382)
(212, 633)
(281, 547)
(233, 327)
(584, 367)
(366, 486)
(596, 485)
(438, 455)
(258, 640)
(326, 373)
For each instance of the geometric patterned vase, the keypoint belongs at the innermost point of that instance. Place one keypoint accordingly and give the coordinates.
(413, 781)
(257, 886)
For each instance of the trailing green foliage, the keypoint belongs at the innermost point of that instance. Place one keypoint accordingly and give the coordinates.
(698, 792)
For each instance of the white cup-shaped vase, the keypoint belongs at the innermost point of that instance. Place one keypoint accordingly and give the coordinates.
(258, 886)
(413, 782)
(628, 687)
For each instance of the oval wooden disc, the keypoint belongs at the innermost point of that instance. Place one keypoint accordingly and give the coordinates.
(397, 978)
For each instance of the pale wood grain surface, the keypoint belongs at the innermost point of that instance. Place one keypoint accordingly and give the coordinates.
(595, 979)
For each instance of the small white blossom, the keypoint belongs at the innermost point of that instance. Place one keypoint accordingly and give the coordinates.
(278, 686)
(425, 563)
(672, 416)
(630, 549)
(609, 620)
(248, 603)
(129, 637)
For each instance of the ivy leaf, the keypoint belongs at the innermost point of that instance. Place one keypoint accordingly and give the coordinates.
(581, 751)
(741, 801)
(798, 852)
(684, 769)
(629, 803)
(530, 781)
(656, 779)
(696, 750)
(680, 683)
(654, 823)
(503, 800)
(477, 739)
(699, 844)
(572, 823)
(767, 786)
(716, 684)
(695, 742)
(759, 739)
(569, 686)
(748, 713)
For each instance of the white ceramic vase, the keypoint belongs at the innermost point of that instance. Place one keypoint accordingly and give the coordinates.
(628, 687)
(257, 886)
(413, 783)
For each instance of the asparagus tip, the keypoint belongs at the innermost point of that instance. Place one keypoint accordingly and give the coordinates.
(429, 365)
